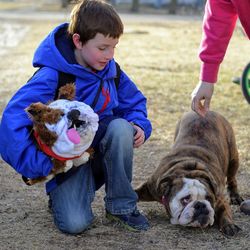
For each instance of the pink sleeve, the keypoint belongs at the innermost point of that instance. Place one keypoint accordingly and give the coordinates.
(218, 26)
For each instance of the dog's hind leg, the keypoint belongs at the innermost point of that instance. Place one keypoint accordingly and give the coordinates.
(231, 174)
(232, 186)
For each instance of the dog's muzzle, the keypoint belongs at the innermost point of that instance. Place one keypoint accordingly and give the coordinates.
(201, 213)
(75, 130)
(73, 116)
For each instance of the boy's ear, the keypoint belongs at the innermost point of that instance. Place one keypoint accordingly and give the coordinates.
(76, 40)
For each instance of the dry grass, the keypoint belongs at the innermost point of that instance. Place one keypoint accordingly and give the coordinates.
(162, 59)
(15, 5)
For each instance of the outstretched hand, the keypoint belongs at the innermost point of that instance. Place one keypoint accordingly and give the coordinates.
(201, 98)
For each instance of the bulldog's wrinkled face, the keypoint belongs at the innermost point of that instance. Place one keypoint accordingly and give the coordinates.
(58, 119)
(72, 124)
(75, 130)
(191, 206)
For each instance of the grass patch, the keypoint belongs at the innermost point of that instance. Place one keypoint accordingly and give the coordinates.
(14, 5)
(162, 60)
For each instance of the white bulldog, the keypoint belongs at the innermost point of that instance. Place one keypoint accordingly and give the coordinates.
(64, 130)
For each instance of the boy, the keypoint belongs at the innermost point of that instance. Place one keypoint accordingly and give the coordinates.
(85, 49)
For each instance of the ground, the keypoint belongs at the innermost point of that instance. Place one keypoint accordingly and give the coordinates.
(161, 56)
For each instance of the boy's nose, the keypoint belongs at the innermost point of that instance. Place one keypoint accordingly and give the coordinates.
(110, 54)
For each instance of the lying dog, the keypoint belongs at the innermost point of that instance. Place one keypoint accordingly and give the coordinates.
(191, 180)
(64, 130)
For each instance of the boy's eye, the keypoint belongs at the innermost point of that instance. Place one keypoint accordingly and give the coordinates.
(102, 48)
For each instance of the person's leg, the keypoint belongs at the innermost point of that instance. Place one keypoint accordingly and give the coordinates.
(117, 150)
(71, 201)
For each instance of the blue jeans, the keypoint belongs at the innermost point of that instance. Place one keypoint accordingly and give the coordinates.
(112, 166)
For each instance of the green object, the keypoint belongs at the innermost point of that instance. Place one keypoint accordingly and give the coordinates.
(245, 83)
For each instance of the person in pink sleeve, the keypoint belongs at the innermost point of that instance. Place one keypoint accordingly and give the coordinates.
(218, 26)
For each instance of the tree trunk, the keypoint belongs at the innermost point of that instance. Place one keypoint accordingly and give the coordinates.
(65, 3)
(173, 7)
(135, 6)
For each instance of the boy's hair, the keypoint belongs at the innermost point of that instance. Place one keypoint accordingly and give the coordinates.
(90, 17)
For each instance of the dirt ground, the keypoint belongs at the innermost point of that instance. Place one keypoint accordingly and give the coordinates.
(26, 223)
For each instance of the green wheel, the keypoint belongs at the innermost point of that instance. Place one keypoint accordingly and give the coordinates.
(245, 83)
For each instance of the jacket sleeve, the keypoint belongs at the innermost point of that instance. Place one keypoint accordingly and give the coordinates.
(132, 104)
(17, 146)
(218, 26)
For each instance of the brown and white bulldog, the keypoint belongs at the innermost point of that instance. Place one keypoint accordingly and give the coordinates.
(191, 180)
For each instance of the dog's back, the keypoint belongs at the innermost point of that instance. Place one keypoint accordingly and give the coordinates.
(206, 137)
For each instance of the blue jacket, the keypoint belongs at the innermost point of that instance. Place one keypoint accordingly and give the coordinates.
(56, 53)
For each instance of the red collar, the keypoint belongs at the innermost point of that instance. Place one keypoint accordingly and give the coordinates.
(48, 151)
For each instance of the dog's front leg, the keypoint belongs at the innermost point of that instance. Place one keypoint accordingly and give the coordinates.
(224, 218)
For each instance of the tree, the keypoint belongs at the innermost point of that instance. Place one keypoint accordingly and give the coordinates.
(173, 7)
(65, 3)
(135, 5)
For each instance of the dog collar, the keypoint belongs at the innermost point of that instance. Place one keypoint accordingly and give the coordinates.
(48, 151)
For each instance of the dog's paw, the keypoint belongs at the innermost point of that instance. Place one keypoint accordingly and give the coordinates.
(236, 199)
(29, 182)
(230, 230)
(82, 159)
(68, 165)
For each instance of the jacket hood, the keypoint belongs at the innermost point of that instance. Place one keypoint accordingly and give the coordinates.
(57, 51)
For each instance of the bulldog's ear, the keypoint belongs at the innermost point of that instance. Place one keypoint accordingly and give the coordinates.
(32, 112)
(166, 184)
(144, 193)
(34, 109)
(67, 92)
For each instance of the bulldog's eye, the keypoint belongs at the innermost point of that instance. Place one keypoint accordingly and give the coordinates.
(209, 198)
(185, 200)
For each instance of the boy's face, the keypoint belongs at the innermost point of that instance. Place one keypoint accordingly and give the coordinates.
(97, 52)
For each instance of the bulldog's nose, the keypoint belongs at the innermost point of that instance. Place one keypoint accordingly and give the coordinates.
(199, 206)
(201, 213)
(73, 114)
(200, 209)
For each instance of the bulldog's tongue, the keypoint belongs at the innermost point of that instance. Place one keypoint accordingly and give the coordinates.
(73, 136)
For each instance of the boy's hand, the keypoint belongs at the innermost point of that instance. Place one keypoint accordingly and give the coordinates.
(139, 137)
(201, 97)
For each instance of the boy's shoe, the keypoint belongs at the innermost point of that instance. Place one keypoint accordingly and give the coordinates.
(133, 222)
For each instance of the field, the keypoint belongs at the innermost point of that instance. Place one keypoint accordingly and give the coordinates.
(161, 57)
